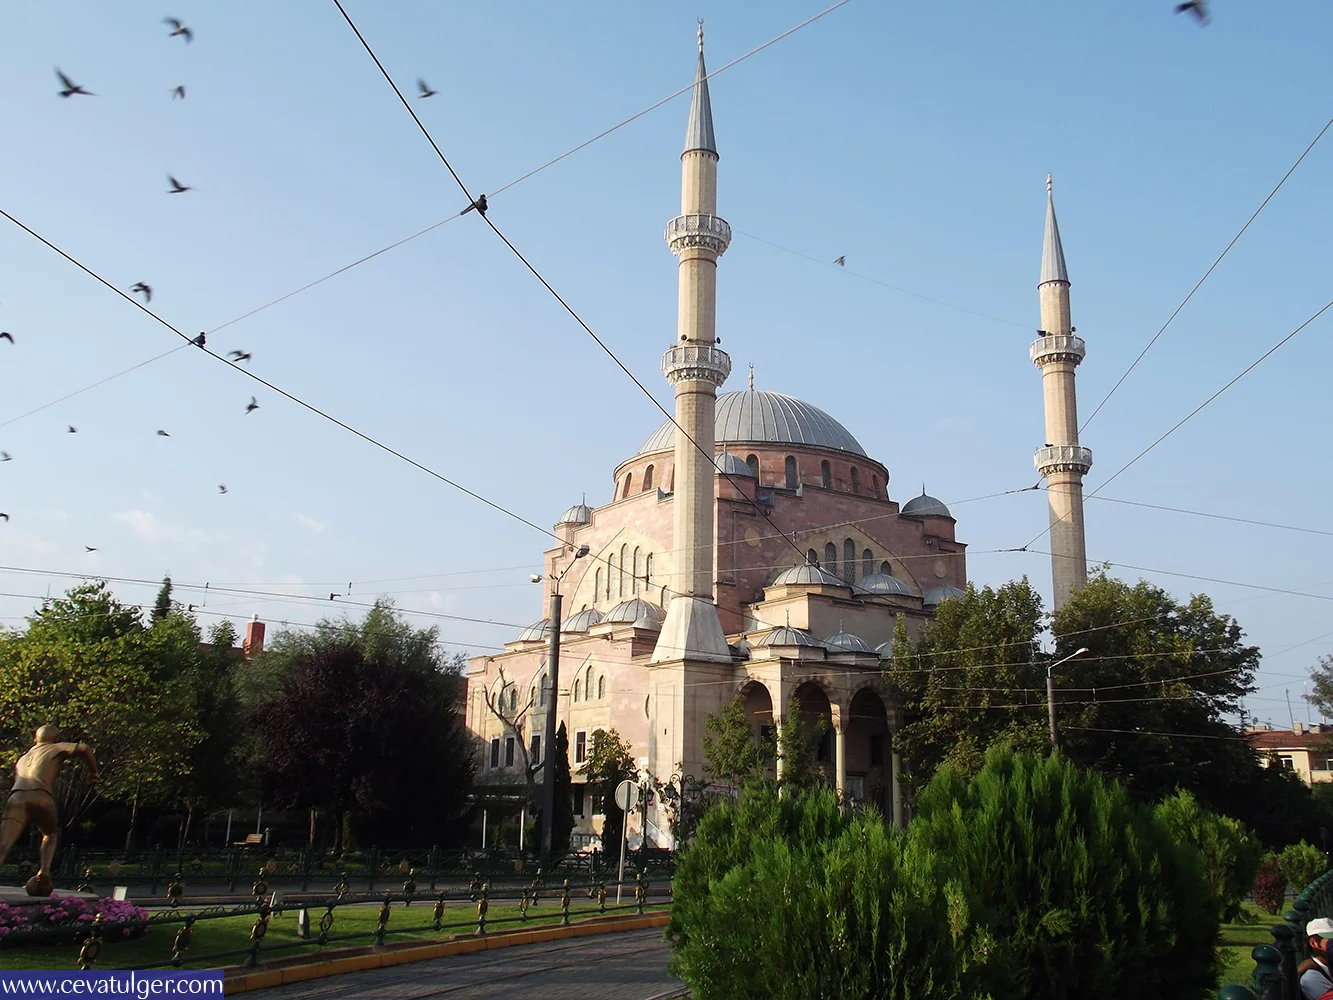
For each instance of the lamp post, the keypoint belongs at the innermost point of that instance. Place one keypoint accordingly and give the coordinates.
(548, 770)
(1050, 691)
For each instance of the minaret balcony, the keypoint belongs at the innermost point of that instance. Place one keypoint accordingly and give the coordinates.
(1063, 458)
(1057, 347)
(698, 232)
(696, 363)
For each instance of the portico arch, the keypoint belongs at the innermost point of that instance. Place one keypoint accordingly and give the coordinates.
(867, 738)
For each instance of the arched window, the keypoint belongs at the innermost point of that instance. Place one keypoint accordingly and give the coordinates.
(624, 561)
(826, 475)
(753, 462)
(629, 479)
(812, 557)
(597, 585)
(638, 567)
(671, 482)
(867, 562)
(789, 472)
(885, 568)
(576, 689)
(610, 573)
(874, 485)
(513, 699)
(849, 560)
(648, 570)
(856, 480)
(647, 479)
(544, 685)
(601, 687)
(831, 558)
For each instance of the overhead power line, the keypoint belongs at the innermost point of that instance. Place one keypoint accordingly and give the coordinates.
(1202, 513)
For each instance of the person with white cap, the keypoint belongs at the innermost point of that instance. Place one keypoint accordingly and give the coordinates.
(1316, 978)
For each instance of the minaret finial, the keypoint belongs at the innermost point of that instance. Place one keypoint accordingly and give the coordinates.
(1052, 252)
(701, 34)
(752, 376)
(699, 131)
(1048, 183)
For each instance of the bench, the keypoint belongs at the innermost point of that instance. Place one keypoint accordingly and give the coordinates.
(251, 840)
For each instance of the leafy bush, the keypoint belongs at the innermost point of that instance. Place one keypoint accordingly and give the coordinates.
(72, 912)
(1270, 885)
(1302, 863)
(1084, 891)
(1229, 850)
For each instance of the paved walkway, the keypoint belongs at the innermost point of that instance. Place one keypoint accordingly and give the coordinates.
(630, 966)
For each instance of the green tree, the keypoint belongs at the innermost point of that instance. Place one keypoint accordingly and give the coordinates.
(798, 748)
(732, 752)
(87, 664)
(1302, 863)
(1321, 686)
(1230, 852)
(163, 605)
(609, 763)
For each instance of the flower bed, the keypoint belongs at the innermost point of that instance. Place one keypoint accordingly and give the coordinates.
(71, 914)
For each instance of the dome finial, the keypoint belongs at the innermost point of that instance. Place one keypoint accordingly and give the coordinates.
(752, 376)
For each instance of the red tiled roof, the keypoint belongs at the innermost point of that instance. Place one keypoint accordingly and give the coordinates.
(1285, 739)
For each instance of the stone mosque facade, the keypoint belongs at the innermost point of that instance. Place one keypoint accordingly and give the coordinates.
(751, 548)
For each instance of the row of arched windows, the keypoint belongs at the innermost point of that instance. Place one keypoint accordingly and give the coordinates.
(644, 487)
(830, 561)
(627, 578)
(583, 687)
(791, 477)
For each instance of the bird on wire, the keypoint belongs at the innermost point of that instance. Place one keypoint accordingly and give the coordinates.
(6, 457)
(239, 355)
(332, 596)
(840, 261)
(6, 335)
(90, 548)
(73, 429)
(222, 488)
(70, 87)
(178, 29)
(1197, 8)
(176, 186)
(425, 90)
(5, 516)
(480, 205)
(200, 340)
(145, 290)
(178, 92)
(254, 405)
(163, 434)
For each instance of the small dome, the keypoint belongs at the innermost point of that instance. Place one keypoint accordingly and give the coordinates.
(885, 650)
(580, 513)
(581, 621)
(934, 597)
(844, 642)
(732, 465)
(882, 583)
(925, 506)
(785, 635)
(806, 575)
(636, 611)
(536, 632)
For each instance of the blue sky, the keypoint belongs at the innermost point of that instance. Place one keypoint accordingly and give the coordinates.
(913, 138)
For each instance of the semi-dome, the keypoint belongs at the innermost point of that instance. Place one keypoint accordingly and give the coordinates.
(581, 621)
(807, 575)
(882, 583)
(785, 635)
(925, 506)
(845, 642)
(635, 611)
(732, 465)
(751, 416)
(885, 650)
(580, 513)
(943, 593)
(536, 632)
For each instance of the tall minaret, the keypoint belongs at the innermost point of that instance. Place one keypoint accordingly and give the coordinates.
(697, 368)
(1062, 462)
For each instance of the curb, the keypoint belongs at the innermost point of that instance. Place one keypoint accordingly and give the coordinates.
(384, 958)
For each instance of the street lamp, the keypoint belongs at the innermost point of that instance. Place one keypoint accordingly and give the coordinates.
(548, 770)
(1050, 691)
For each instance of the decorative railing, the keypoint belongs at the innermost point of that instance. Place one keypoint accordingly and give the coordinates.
(1057, 347)
(1275, 965)
(1062, 458)
(698, 232)
(696, 363)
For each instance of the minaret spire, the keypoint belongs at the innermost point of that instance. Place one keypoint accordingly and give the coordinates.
(699, 131)
(1063, 462)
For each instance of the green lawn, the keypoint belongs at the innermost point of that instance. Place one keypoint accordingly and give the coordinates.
(1237, 942)
(233, 933)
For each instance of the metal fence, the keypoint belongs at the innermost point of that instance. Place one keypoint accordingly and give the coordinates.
(464, 911)
(1275, 965)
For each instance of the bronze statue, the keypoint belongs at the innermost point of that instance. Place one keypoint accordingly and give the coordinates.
(30, 800)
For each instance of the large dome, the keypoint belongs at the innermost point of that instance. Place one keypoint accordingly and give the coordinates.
(752, 416)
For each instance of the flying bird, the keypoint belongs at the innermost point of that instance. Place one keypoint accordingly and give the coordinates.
(73, 429)
(425, 90)
(178, 92)
(178, 29)
(480, 205)
(332, 596)
(254, 405)
(145, 290)
(222, 487)
(1199, 8)
(840, 261)
(200, 340)
(239, 355)
(6, 335)
(5, 516)
(70, 87)
(5, 457)
(176, 186)
(90, 548)
(163, 434)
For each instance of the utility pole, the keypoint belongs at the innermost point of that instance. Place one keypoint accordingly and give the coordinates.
(1050, 692)
(548, 765)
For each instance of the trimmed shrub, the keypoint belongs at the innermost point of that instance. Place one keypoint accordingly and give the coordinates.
(1302, 863)
(1230, 852)
(1270, 885)
(1084, 891)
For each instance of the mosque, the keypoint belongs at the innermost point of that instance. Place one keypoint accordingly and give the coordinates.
(751, 548)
